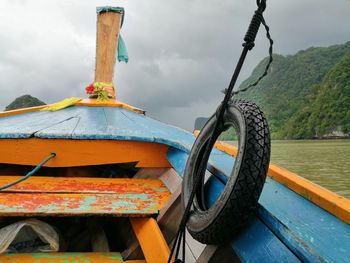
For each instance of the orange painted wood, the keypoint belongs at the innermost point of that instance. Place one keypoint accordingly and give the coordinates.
(225, 147)
(152, 242)
(196, 132)
(84, 102)
(65, 257)
(47, 204)
(108, 26)
(108, 103)
(43, 196)
(333, 203)
(43, 184)
(21, 111)
(82, 152)
(222, 146)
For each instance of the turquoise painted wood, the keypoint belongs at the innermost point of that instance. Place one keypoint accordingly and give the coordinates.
(82, 122)
(256, 243)
(286, 219)
(26, 125)
(294, 218)
(68, 196)
(311, 233)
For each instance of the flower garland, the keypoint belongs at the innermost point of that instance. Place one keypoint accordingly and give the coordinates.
(102, 90)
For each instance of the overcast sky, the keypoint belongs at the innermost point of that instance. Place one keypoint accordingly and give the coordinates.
(182, 52)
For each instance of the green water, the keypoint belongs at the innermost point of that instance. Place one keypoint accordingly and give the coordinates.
(325, 162)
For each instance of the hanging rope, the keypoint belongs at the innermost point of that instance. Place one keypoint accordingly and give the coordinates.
(52, 155)
(268, 36)
(247, 46)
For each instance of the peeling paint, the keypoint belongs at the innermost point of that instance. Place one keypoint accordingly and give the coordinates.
(114, 257)
(61, 197)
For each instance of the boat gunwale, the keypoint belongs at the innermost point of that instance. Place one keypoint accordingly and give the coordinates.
(333, 203)
(83, 102)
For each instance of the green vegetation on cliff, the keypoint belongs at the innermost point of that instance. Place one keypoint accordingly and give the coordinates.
(329, 108)
(24, 102)
(306, 95)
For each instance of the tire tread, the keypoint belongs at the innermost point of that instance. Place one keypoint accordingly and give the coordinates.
(243, 199)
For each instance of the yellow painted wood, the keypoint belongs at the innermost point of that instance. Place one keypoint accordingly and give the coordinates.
(71, 153)
(152, 242)
(196, 132)
(60, 105)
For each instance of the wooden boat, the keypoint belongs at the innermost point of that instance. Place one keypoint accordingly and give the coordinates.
(123, 171)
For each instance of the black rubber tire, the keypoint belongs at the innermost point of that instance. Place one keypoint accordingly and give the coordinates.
(239, 199)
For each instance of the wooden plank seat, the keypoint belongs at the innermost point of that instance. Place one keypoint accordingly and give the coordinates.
(109, 257)
(72, 196)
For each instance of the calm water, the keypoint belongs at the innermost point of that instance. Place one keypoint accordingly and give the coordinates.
(325, 162)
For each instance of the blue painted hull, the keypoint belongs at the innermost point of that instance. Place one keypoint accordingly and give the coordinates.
(287, 228)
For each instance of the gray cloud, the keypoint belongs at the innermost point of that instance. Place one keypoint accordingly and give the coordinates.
(182, 53)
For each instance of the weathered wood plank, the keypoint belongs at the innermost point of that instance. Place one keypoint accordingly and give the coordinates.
(256, 243)
(332, 202)
(108, 26)
(26, 125)
(170, 215)
(151, 240)
(162, 132)
(20, 204)
(121, 126)
(218, 254)
(43, 184)
(83, 196)
(113, 257)
(21, 111)
(306, 228)
(92, 124)
(167, 175)
(102, 123)
(107, 103)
